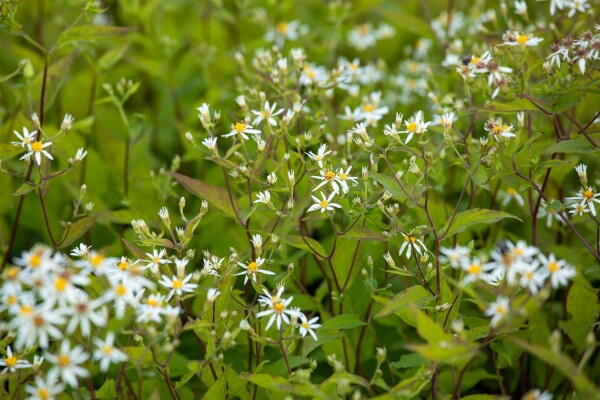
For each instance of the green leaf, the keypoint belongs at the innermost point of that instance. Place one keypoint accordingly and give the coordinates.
(402, 302)
(215, 195)
(563, 364)
(112, 56)
(365, 235)
(136, 251)
(577, 145)
(510, 107)
(76, 230)
(8, 151)
(107, 391)
(582, 305)
(298, 242)
(90, 32)
(24, 189)
(409, 361)
(464, 219)
(344, 321)
(429, 330)
(453, 353)
(389, 183)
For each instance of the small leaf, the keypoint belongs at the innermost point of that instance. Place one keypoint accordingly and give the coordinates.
(112, 56)
(90, 32)
(216, 195)
(389, 183)
(409, 361)
(298, 242)
(107, 391)
(401, 303)
(9, 151)
(24, 189)
(582, 305)
(136, 251)
(344, 321)
(365, 235)
(76, 230)
(464, 219)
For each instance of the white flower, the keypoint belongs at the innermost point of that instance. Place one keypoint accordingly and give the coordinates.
(415, 125)
(67, 123)
(537, 394)
(447, 120)
(26, 139)
(156, 259)
(242, 128)
(558, 270)
(106, 352)
(475, 270)
(163, 213)
(267, 113)
(342, 177)
(81, 251)
(579, 208)
(455, 256)
(520, 7)
(151, 309)
(577, 5)
(46, 388)
(36, 324)
(512, 38)
(498, 310)
(410, 242)
(554, 4)
(12, 362)
(264, 197)
(285, 31)
(549, 210)
(85, 314)
(587, 197)
(210, 143)
(320, 156)
(212, 294)
(67, 363)
(36, 149)
(79, 156)
(252, 268)
(178, 286)
(496, 128)
(327, 176)
(511, 194)
(532, 277)
(308, 325)
(313, 74)
(277, 308)
(325, 204)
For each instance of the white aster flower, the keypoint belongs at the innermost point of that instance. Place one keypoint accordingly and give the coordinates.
(558, 270)
(242, 128)
(252, 268)
(106, 352)
(266, 114)
(412, 242)
(178, 286)
(308, 325)
(12, 362)
(320, 156)
(67, 363)
(277, 308)
(325, 204)
(45, 388)
(26, 139)
(36, 149)
(498, 310)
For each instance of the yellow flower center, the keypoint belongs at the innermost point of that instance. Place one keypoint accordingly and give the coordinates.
(529, 275)
(368, 108)
(475, 60)
(411, 127)
(11, 361)
(522, 39)
(35, 260)
(60, 284)
(177, 284)
(123, 265)
(239, 127)
(107, 350)
(553, 266)
(43, 393)
(152, 302)
(474, 269)
(329, 175)
(121, 290)
(580, 208)
(26, 310)
(64, 360)
(263, 113)
(12, 299)
(37, 146)
(324, 203)
(588, 194)
(353, 66)
(500, 309)
(278, 307)
(12, 273)
(310, 72)
(497, 129)
(342, 176)
(517, 251)
(253, 266)
(511, 192)
(363, 30)
(304, 325)
(282, 28)
(410, 239)
(413, 66)
(96, 260)
(155, 260)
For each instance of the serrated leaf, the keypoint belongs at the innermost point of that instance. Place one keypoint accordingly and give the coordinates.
(344, 321)
(510, 107)
(465, 219)
(402, 302)
(577, 145)
(365, 235)
(76, 230)
(582, 306)
(90, 32)
(215, 195)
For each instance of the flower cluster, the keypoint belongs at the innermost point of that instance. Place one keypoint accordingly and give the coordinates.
(581, 52)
